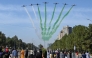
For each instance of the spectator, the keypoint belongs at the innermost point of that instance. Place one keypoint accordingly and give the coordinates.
(7, 53)
(87, 55)
(22, 53)
(14, 53)
(26, 53)
(38, 54)
(1, 52)
(83, 55)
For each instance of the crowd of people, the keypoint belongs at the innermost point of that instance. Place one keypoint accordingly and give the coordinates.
(67, 54)
(14, 53)
(9, 52)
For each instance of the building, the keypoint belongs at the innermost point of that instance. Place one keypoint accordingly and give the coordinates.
(66, 30)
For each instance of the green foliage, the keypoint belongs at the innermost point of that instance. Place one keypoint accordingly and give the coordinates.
(2, 38)
(43, 50)
(40, 46)
(80, 37)
(14, 41)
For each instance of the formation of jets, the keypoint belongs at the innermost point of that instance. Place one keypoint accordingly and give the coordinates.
(45, 3)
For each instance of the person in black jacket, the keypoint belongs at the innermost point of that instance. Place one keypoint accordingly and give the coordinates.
(38, 54)
(70, 54)
(1, 52)
(83, 55)
(26, 53)
(35, 51)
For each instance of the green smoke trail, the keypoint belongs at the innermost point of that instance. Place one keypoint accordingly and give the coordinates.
(56, 27)
(66, 14)
(46, 38)
(45, 21)
(53, 14)
(58, 17)
(51, 18)
(61, 20)
(40, 19)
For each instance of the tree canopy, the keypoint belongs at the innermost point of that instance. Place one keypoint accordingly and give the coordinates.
(80, 37)
(14, 42)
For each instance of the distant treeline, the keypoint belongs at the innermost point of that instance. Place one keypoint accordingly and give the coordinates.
(14, 42)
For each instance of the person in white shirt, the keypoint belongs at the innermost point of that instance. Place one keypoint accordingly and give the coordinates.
(87, 55)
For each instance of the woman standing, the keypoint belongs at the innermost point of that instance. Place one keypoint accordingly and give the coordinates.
(22, 53)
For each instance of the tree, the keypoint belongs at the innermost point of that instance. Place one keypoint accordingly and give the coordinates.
(40, 46)
(80, 37)
(2, 39)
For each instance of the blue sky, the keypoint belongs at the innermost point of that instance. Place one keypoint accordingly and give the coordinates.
(15, 21)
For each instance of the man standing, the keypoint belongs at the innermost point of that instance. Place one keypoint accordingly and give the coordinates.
(87, 55)
(38, 54)
(14, 53)
(26, 53)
